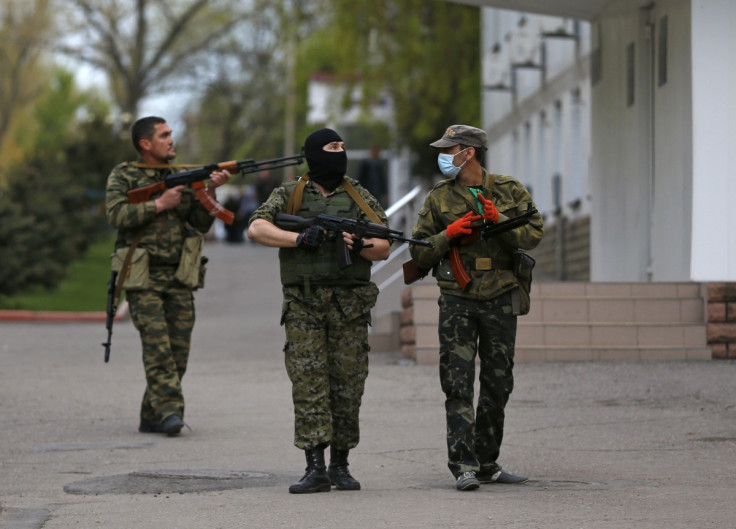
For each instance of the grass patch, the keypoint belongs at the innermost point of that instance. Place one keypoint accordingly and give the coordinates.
(83, 289)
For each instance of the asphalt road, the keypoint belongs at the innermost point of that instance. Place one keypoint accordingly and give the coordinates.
(606, 445)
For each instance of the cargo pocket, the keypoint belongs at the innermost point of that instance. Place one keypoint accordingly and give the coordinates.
(137, 275)
(523, 266)
(190, 263)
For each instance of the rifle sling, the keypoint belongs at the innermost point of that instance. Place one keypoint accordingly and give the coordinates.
(143, 165)
(361, 203)
(126, 267)
(295, 199)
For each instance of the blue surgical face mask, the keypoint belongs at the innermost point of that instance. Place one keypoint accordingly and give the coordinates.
(448, 168)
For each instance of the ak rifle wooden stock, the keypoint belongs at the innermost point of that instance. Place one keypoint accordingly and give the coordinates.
(195, 179)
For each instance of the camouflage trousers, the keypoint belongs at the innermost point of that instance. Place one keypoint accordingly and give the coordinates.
(487, 328)
(164, 317)
(326, 357)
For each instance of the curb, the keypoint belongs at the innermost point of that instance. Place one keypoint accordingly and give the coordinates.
(61, 317)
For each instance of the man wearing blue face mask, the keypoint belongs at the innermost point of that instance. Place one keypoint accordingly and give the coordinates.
(480, 298)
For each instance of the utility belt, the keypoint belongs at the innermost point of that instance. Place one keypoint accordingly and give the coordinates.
(486, 264)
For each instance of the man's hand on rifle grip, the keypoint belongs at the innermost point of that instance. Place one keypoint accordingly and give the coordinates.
(311, 238)
(462, 225)
(170, 199)
(355, 243)
(490, 213)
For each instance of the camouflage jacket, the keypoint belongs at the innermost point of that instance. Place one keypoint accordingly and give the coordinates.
(164, 232)
(447, 202)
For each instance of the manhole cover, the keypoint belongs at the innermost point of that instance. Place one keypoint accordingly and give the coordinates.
(73, 447)
(171, 482)
(199, 474)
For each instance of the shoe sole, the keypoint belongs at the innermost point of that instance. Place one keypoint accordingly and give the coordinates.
(321, 488)
(351, 487)
(469, 486)
(488, 482)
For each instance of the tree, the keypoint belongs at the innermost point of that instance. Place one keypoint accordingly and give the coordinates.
(51, 207)
(148, 46)
(424, 53)
(23, 25)
(244, 109)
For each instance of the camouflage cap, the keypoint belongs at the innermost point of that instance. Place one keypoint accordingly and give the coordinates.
(461, 135)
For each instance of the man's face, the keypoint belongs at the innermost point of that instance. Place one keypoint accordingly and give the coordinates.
(460, 155)
(335, 146)
(161, 144)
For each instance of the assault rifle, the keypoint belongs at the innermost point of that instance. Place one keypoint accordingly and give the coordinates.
(361, 228)
(111, 310)
(195, 178)
(486, 230)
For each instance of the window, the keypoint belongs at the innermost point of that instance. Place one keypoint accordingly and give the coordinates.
(662, 52)
(596, 58)
(630, 79)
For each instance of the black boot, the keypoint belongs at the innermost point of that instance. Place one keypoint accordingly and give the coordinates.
(339, 474)
(316, 478)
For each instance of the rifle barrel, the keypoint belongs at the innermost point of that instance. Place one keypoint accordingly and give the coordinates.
(251, 166)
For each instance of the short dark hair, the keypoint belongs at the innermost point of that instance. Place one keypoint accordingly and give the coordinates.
(480, 153)
(143, 129)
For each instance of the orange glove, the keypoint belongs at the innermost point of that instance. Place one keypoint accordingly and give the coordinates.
(490, 213)
(462, 225)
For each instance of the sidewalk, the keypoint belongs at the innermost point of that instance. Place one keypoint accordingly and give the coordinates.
(624, 445)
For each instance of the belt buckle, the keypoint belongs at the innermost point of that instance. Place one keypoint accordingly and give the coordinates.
(483, 263)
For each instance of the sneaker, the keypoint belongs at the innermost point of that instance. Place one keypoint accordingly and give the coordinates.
(172, 425)
(467, 481)
(501, 476)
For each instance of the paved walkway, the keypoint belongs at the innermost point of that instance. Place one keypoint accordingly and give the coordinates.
(606, 445)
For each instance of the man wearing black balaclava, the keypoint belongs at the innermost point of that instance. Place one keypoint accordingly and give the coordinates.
(326, 158)
(326, 309)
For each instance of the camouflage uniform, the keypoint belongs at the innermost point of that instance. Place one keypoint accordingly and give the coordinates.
(325, 314)
(163, 312)
(478, 319)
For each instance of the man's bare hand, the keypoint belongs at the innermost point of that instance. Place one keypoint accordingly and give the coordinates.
(170, 199)
(217, 178)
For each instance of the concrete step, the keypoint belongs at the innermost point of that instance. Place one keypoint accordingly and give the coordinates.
(429, 355)
(383, 335)
(605, 334)
(583, 321)
(609, 354)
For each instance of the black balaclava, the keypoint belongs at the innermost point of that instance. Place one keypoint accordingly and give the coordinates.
(325, 167)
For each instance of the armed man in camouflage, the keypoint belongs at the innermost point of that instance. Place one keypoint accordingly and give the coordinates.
(162, 307)
(480, 319)
(326, 310)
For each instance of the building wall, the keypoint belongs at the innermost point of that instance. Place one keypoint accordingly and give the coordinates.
(641, 163)
(538, 122)
(713, 82)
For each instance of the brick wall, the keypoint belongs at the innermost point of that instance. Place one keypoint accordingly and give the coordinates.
(722, 319)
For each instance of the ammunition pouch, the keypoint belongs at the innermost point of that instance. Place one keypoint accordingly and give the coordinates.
(523, 266)
(136, 277)
(191, 269)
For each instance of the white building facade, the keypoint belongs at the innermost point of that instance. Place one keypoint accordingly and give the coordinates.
(634, 112)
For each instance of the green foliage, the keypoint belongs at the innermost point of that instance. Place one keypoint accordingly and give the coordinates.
(425, 54)
(83, 289)
(52, 205)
